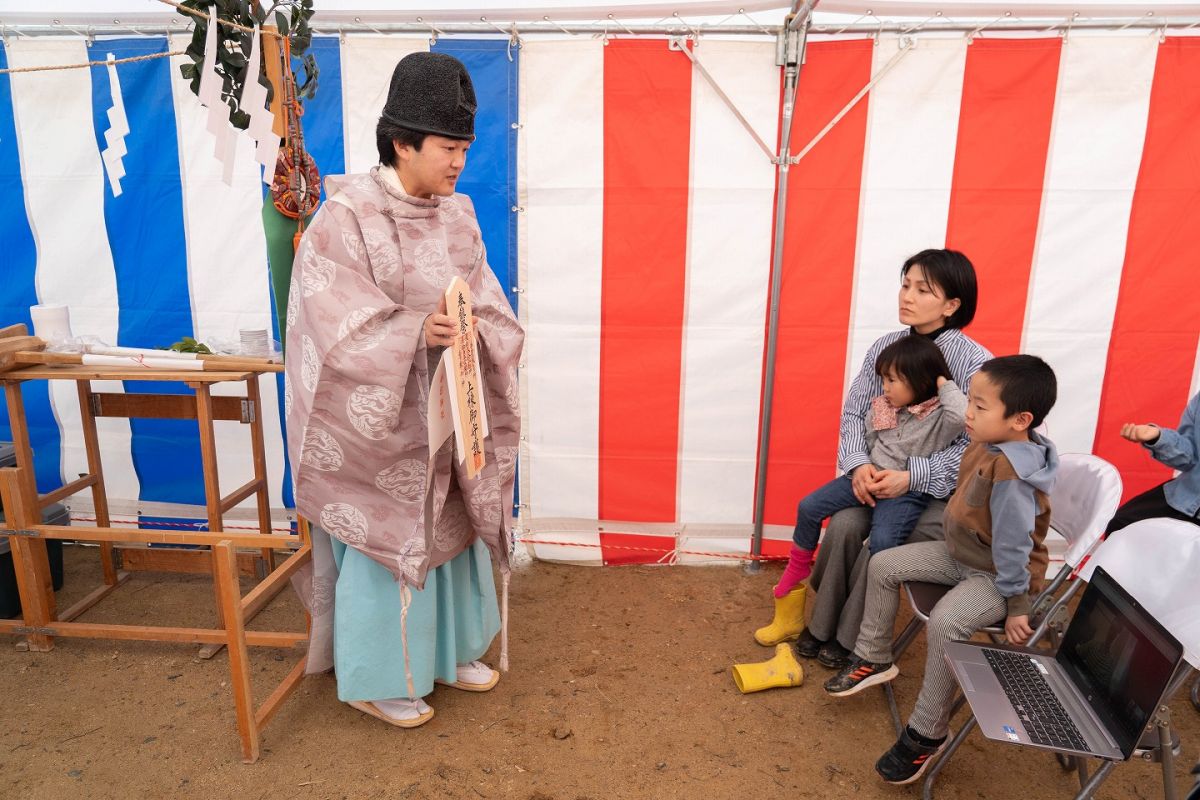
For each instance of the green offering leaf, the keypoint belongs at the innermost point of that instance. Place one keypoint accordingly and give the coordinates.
(189, 345)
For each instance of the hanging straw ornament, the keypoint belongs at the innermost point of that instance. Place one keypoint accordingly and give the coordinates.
(296, 190)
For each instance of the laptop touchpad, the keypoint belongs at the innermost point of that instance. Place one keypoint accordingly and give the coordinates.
(976, 677)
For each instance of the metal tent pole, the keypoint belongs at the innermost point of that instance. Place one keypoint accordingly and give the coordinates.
(790, 55)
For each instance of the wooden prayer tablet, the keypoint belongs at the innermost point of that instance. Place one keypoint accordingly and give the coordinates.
(470, 422)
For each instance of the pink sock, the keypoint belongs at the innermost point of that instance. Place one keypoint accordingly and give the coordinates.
(798, 568)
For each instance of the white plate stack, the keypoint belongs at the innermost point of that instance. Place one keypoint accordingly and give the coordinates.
(255, 342)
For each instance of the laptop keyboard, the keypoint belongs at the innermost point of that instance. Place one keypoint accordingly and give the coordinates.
(1042, 715)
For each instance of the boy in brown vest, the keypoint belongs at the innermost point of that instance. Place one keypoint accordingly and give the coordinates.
(993, 556)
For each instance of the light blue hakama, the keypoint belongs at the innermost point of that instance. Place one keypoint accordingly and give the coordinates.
(451, 621)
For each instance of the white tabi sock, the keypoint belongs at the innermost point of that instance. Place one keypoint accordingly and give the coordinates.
(475, 672)
(402, 708)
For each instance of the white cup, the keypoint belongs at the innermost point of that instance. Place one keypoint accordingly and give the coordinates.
(51, 322)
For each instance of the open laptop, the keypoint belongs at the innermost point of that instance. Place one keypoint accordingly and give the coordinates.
(1093, 697)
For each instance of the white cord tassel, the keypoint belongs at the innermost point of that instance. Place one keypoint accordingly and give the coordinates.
(504, 623)
(405, 602)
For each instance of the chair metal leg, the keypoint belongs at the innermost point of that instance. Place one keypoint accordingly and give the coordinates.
(1196, 693)
(1167, 750)
(1082, 768)
(954, 744)
(900, 644)
(895, 711)
(1094, 783)
(906, 636)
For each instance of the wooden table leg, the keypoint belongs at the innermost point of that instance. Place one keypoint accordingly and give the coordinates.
(34, 552)
(260, 465)
(95, 467)
(30, 563)
(226, 578)
(208, 457)
(212, 488)
(20, 433)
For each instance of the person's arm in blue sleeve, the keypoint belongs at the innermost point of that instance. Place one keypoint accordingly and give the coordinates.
(1178, 448)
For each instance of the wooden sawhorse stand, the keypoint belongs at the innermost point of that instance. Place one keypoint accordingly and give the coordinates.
(41, 622)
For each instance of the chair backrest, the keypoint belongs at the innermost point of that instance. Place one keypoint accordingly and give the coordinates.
(1157, 561)
(1087, 491)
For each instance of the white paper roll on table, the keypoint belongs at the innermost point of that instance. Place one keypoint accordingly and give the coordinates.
(51, 322)
(106, 350)
(136, 361)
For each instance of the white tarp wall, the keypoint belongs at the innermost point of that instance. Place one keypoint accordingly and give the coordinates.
(1065, 168)
(635, 213)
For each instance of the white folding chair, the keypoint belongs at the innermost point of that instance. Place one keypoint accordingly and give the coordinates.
(1156, 561)
(1086, 493)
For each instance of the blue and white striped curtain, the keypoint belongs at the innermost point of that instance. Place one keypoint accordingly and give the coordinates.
(178, 252)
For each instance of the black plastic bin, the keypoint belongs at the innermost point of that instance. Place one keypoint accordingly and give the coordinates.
(10, 599)
(57, 514)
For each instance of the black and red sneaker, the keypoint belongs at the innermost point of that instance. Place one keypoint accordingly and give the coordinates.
(858, 675)
(907, 759)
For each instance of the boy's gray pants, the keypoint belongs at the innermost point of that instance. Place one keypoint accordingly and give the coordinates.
(839, 575)
(973, 603)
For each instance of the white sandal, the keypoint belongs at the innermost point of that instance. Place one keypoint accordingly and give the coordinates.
(473, 677)
(415, 712)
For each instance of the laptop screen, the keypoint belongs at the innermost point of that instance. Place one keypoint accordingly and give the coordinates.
(1119, 657)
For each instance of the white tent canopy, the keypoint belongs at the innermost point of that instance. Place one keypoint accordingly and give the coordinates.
(708, 12)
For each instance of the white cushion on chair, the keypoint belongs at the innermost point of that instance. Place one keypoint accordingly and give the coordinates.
(1158, 561)
(1086, 493)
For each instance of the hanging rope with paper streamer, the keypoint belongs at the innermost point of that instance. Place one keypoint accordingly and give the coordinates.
(225, 145)
(227, 72)
(118, 129)
(262, 121)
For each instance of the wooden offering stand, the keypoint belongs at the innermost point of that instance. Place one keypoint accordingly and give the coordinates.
(41, 622)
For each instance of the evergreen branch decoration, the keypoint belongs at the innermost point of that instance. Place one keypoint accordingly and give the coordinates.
(291, 17)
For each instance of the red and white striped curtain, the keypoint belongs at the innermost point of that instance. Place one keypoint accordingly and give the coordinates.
(1068, 170)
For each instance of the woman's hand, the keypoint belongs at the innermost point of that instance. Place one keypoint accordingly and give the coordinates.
(439, 327)
(860, 479)
(1142, 434)
(941, 381)
(889, 483)
(1017, 630)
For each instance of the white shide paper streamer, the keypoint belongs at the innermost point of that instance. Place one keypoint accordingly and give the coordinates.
(118, 129)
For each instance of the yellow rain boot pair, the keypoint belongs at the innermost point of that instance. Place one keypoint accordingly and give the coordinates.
(789, 619)
(782, 670)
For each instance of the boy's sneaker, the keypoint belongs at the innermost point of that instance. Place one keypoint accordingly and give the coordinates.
(908, 757)
(833, 655)
(808, 646)
(858, 675)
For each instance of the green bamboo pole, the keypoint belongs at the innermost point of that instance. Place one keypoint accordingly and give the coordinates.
(280, 231)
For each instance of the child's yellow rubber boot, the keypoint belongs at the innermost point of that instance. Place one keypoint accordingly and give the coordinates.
(782, 670)
(789, 619)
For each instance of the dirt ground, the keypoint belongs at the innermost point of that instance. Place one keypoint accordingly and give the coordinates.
(620, 687)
